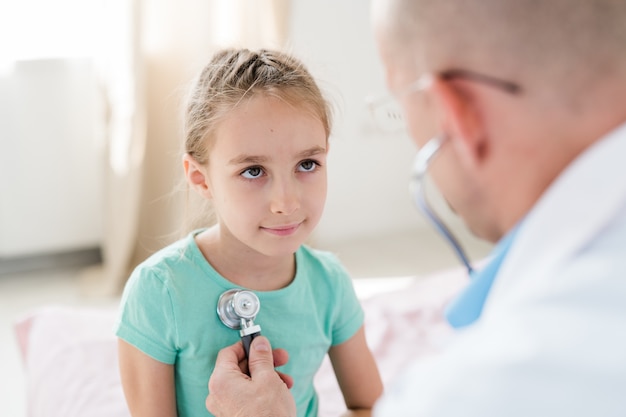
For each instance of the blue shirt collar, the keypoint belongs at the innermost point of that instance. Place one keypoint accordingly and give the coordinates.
(466, 308)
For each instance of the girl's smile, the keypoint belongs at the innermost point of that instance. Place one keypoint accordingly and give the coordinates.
(287, 230)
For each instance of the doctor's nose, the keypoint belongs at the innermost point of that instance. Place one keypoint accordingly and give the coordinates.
(284, 198)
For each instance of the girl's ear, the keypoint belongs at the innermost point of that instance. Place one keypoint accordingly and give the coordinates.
(196, 176)
(460, 117)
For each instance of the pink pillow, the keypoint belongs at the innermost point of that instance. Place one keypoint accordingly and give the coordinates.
(70, 360)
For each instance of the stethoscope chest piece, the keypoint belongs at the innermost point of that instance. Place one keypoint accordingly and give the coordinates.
(236, 305)
(237, 309)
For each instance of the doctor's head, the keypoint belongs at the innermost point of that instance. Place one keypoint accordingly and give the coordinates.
(514, 89)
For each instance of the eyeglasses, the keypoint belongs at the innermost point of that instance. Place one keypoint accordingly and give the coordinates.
(387, 113)
(390, 118)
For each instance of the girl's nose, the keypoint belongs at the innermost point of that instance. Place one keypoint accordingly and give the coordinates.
(284, 198)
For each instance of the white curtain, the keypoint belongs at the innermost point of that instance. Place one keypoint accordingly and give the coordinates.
(149, 55)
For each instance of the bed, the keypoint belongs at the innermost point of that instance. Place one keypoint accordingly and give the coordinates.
(70, 357)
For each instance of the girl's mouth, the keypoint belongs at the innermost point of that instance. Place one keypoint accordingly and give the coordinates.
(286, 230)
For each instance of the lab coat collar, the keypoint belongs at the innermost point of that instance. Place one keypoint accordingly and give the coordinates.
(467, 307)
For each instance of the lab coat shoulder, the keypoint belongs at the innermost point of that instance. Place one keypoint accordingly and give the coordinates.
(551, 339)
(547, 358)
(556, 317)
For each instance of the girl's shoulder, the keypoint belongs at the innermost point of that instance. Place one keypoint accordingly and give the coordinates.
(173, 258)
(318, 254)
(320, 261)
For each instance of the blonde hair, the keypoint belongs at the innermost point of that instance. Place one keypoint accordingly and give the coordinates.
(234, 75)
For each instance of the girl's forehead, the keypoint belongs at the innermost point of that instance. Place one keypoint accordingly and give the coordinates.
(265, 124)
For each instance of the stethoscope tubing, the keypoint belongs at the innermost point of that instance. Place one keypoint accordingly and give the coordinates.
(438, 224)
(420, 167)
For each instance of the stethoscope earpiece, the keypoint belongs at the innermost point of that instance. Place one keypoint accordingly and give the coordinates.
(237, 309)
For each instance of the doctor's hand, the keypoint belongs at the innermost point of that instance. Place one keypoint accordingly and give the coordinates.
(264, 393)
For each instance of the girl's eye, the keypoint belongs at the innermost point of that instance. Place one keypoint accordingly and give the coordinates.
(252, 173)
(308, 165)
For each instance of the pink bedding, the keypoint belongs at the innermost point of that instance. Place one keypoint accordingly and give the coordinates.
(70, 356)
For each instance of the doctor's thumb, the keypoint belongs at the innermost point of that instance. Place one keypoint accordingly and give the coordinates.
(263, 360)
(261, 344)
(260, 356)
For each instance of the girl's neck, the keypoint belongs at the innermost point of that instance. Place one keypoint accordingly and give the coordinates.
(244, 266)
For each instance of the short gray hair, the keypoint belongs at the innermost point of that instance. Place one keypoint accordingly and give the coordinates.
(548, 41)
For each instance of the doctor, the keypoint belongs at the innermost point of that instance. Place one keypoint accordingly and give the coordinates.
(523, 106)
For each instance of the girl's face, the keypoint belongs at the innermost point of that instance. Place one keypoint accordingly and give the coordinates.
(266, 175)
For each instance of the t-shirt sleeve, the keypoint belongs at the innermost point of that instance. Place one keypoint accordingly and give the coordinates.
(348, 314)
(146, 317)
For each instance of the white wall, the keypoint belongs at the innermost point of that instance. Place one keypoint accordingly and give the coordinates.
(368, 171)
(50, 164)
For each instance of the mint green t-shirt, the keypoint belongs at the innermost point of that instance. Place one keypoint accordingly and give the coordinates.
(168, 311)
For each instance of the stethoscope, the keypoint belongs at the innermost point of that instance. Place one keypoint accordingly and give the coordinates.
(237, 308)
(420, 167)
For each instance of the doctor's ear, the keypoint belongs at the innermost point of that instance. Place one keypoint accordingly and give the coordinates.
(460, 117)
(196, 176)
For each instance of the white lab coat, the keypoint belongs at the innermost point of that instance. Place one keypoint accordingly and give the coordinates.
(552, 337)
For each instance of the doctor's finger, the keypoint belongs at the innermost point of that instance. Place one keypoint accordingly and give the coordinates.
(281, 357)
(230, 357)
(287, 379)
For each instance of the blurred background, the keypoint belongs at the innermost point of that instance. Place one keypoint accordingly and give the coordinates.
(90, 103)
(91, 93)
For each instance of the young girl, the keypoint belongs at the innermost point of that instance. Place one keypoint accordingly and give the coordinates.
(256, 145)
